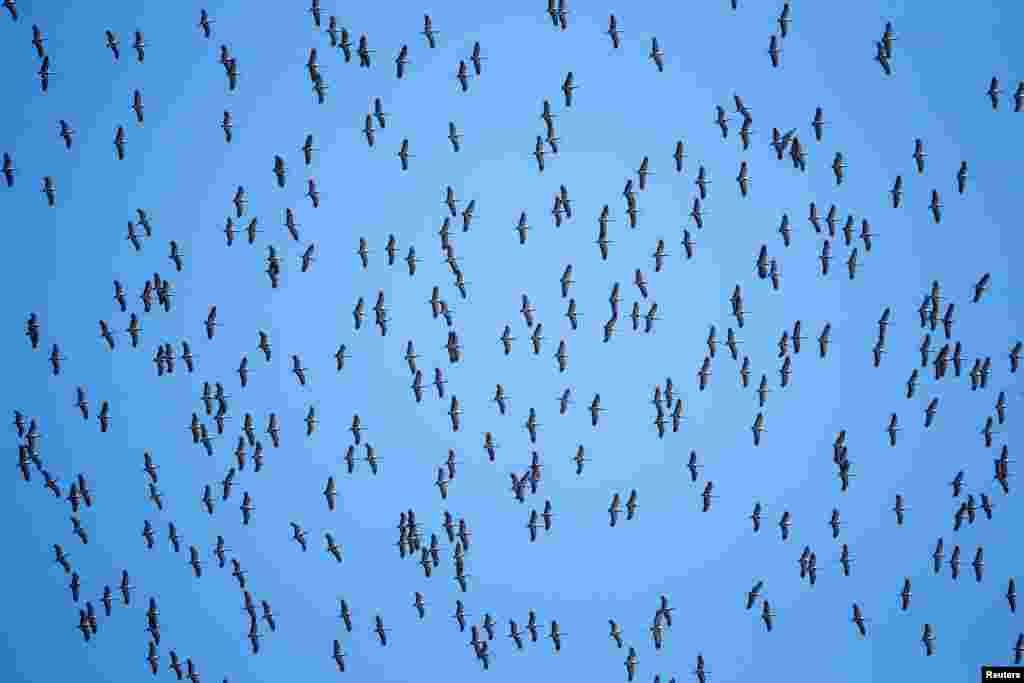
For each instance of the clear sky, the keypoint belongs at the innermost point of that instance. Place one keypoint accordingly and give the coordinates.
(62, 261)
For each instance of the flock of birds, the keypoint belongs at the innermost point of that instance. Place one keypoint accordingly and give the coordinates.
(937, 312)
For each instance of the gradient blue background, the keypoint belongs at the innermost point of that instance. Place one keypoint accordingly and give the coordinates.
(60, 263)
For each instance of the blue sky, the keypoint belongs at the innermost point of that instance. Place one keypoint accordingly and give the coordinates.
(181, 171)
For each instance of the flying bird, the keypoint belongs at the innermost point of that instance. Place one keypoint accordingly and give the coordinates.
(774, 51)
(656, 55)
